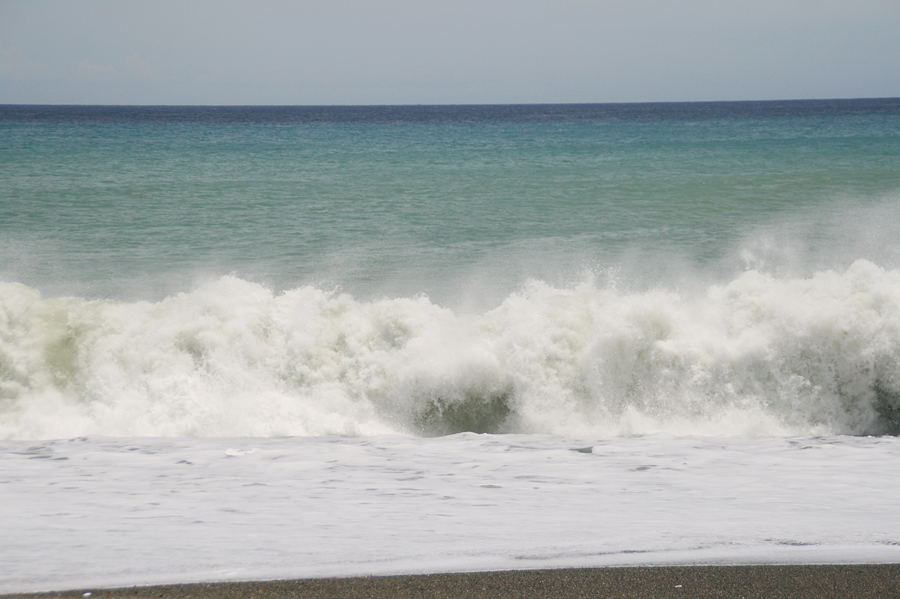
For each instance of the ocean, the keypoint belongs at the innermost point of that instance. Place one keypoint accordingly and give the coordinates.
(271, 342)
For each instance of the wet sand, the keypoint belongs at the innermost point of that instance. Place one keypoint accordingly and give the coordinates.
(788, 582)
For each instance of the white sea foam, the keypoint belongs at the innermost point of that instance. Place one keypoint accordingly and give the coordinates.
(95, 512)
(760, 356)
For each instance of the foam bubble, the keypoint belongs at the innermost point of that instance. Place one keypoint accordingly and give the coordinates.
(760, 355)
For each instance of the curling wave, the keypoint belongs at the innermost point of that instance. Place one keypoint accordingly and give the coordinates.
(759, 356)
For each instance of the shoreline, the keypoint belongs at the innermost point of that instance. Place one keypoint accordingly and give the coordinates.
(860, 581)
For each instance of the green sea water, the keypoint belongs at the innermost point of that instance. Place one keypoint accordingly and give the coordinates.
(128, 207)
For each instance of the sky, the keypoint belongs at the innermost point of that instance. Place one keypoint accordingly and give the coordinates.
(281, 52)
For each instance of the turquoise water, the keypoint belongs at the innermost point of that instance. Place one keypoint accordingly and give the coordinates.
(449, 215)
(139, 208)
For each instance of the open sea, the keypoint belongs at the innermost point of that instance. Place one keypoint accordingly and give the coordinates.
(241, 343)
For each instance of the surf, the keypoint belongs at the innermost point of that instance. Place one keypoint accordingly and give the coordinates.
(758, 355)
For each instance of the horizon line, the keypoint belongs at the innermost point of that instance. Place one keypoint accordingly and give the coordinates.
(436, 105)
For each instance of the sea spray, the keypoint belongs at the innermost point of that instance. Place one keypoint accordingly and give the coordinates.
(760, 355)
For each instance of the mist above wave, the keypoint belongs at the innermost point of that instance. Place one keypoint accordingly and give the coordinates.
(760, 355)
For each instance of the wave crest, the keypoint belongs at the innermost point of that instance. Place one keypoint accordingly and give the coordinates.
(761, 356)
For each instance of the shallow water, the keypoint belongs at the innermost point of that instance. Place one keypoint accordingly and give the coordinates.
(104, 511)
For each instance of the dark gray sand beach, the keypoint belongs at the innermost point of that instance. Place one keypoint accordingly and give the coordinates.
(774, 582)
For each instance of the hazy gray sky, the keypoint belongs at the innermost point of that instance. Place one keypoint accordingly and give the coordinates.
(444, 51)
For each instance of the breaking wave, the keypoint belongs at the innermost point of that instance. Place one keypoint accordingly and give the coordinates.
(760, 355)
